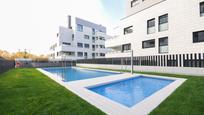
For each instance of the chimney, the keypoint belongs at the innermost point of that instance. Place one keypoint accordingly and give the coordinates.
(69, 22)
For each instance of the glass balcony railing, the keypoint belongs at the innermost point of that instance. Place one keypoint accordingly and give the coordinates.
(163, 27)
(163, 49)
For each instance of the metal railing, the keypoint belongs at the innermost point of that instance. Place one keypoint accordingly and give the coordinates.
(168, 60)
(5, 65)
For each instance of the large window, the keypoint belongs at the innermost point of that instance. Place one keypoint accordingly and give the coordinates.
(101, 46)
(102, 54)
(93, 48)
(126, 47)
(163, 22)
(86, 36)
(134, 2)
(86, 45)
(80, 54)
(101, 38)
(93, 39)
(93, 31)
(79, 27)
(93, 55)
(80, 45)
(202, 9)
(85, 55)
(151, 26)
(128, 30)
(163, 45)
(198, 36)
(148, 44)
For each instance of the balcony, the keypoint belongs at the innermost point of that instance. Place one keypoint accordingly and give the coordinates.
(67, 48)
(163, 49)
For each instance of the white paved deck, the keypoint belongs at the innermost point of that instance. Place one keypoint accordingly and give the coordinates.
(113, 108)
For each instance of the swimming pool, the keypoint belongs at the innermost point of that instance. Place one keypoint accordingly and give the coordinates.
(131, 91)
(119, 93)
(73, 74)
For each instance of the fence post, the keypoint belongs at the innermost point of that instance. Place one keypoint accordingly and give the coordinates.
(131, 61)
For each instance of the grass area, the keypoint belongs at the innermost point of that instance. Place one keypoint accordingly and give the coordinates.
(27, 91)
(188, 99)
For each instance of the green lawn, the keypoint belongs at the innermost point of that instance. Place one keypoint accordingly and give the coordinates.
(27, 91)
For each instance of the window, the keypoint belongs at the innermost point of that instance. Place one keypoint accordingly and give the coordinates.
(102, 54)
(85, 55)
(86, 36)
(102, 46)
(101, 38)
(198, 36)
(134, 2)
(163, 22)
(65, 43)
(80, 54)
(202, 9)
(86, 45)
(93, 47)
(126, 47)
(68, 53)
(96, 38)
(93, 31)
(93, 55)
(128, 30)
(93, 39)
(163, 45)
(148, 44)
(79, 27)
(151, 26)
(80, 45)
(72, 35)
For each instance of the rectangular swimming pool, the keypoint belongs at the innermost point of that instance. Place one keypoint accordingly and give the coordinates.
(73, 74)
(131, 91)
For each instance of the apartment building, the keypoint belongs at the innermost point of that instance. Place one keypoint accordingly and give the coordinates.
(159, 27)
(80, 40)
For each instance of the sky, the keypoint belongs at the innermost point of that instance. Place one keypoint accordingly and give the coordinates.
(33, 24)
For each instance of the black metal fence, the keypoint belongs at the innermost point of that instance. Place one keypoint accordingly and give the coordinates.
(5, 65)
(40, 64)
(171, 60)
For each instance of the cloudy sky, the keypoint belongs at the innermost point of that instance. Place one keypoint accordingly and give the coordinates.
(33, 24)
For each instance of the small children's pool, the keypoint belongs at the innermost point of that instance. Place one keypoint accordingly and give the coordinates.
(73, 74)
(131, 91)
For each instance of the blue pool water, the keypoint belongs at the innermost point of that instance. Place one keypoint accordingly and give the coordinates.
(72, 74)
(131, 91)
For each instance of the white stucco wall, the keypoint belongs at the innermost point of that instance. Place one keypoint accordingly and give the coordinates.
(65, 35)
(172, 70)
(183, 17)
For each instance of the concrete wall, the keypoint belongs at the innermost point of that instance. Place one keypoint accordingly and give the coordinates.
(172, 70)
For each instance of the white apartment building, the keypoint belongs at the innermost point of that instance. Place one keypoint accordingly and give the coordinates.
(158, 27)
(80, 40)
